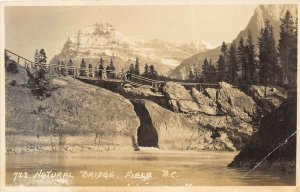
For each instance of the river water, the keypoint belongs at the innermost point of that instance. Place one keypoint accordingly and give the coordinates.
(129, 168)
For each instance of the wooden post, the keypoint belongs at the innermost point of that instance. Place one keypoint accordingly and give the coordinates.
(18, 59)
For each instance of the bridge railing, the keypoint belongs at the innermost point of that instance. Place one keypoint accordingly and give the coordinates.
(94, 72)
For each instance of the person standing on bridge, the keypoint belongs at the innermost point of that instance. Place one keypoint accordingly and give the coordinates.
(100, 72)
(107, 72)
(128, 75)
(124, 79)
(101, 68)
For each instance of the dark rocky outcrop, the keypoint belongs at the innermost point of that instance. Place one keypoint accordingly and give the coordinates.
(266, 98)
(275, 128)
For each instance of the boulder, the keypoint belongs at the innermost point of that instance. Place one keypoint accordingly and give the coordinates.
(179, 99)
(206, 104)
(175, 91)
(235, 103)
(267, 98)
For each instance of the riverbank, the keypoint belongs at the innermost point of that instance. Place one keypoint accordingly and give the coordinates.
(20, 144)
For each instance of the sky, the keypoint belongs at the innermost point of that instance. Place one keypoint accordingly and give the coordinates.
(28, 28)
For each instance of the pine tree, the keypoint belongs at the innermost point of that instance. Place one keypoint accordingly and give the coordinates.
(152, 72)
(251, 60)
(82, 68)
(268, 68)
(42, 56)
(131, 69)
(113, 68)
(286, 48)
(10, 64)
(242, 61)
(205, 71)
(212, 72)
(224, 50)
(221, 68)
(232, 64)
(292, 77)
(36, 56)
(137, 67)
(111, 65)
(222, 63)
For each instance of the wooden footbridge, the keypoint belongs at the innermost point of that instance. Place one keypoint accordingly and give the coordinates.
(92, 74)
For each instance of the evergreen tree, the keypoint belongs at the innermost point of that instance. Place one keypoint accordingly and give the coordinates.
(267, 56)
(224, 50)
(232, 64)
(131, 69)
(251, 61)
(286, 48)
(152, 72)
(212, 72)
(292, 69)
(36, 56)
(82, 68)
(113, 68)
(221, 68)
(6, 60)
(42, 56)
(137, 67)
(242, 61)
(10, 65)
(205, 71)
(111, 65)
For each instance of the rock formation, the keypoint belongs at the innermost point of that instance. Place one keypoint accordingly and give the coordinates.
(274, 130)
(75, 108)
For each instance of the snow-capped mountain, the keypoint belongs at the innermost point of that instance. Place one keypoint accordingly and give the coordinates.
(103, 40)
(261, 13)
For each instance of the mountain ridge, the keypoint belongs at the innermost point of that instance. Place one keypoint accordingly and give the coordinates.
(261, 13)
(103, 40)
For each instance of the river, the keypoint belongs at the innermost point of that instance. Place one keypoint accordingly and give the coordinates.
(129, 168)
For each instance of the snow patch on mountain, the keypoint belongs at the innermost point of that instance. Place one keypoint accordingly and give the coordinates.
(103, 40)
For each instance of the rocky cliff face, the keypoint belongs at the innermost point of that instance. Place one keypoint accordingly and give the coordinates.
(219, 113)
(103, 40)
(261, 13)
(74, 109)
(274, 130)
(168, 130)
